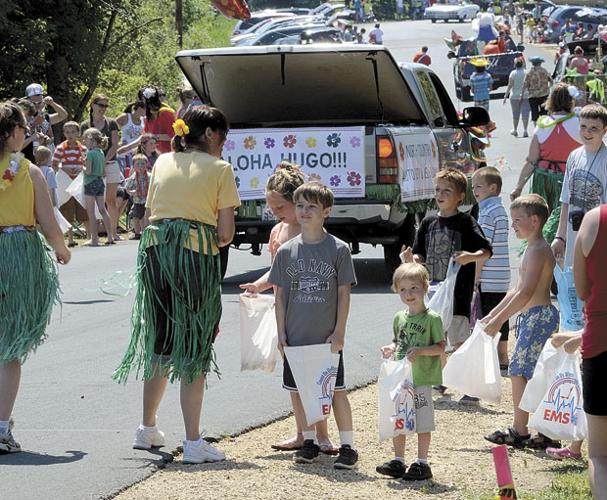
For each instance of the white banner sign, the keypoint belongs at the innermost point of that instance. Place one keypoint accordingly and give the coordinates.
(334, 156)
(418, 161)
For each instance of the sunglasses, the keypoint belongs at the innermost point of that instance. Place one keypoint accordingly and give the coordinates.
(101, 105)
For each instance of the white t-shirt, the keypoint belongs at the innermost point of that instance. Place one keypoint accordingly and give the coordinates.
(584, 187)
(379, 35)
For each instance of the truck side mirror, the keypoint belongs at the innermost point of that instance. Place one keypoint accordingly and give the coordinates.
(450, 54)
(475, 116)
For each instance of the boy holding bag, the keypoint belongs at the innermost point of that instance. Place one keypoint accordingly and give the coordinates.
(418, 335)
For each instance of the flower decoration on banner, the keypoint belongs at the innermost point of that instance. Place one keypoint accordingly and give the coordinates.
(269, 143)
(233, 9)
(254, 182)
(8, 176)
(229, 145)
(289, 141)
(354, 178)
(180, 128)
(250, 142)
(335, 181)
(355, 142)
(311, 142)
(314, 178)
(237, 179)
(333, 140)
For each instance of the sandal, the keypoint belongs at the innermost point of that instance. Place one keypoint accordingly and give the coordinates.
(541, 442)
(72, 244)
(509, 438)
(328, 448)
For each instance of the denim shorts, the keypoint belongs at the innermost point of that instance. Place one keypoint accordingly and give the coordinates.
(533, 329)
(95, 188)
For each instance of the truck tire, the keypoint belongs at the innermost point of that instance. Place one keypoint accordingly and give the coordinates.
(466, 95)
(433, 21)
(462, 19)
(224, 253)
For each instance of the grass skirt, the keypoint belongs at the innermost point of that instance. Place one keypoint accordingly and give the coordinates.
(548, 184)
(29, 287)
(190, 301)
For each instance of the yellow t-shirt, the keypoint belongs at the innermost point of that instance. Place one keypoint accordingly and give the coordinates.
(193, 186)
(17, 200)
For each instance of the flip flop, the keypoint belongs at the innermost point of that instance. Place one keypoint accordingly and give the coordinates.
(288, 445)
(329, 449)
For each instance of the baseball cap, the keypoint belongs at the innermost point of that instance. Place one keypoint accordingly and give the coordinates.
(33, 89)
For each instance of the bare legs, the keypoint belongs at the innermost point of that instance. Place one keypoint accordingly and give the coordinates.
(322, 431)
(91, 201)
(10, 376)
(521, 418)
(597, 456)
(112, 207)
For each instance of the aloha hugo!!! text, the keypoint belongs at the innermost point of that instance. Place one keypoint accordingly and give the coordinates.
(337, 159)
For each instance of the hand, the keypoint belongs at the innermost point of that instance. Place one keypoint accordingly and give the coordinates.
(486, 319)
(413, 353)
(48, 100)
(492, 327)
(515, 193)
(572, 344)
(37, 120)
(250, 289)
(406, 255)
(558, 248)
(463, 258)
(337, 342)
(387, 351)
(63, 254)
(558, 339)
(282, 342)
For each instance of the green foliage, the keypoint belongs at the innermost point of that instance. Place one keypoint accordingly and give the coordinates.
(384, 9)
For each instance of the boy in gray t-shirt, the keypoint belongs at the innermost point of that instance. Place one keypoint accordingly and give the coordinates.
(313, 274)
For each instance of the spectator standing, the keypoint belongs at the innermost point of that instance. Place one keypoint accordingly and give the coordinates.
(481, 82)
(519, 98)
(537, 84)
(188, 99)
(131, 123)
(43, 157)
(579, 62)
(377, 34)
(422, 57)
(159, 118)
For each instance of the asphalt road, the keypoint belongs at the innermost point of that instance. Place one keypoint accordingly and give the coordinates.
(76, 425)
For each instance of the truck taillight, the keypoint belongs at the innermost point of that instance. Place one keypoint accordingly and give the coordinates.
(387, 162)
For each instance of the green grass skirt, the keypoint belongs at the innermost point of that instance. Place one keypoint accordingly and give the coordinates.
(29, 288)
(548, 185)
(192, 320)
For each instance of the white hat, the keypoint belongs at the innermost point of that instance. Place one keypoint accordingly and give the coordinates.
(33, 89)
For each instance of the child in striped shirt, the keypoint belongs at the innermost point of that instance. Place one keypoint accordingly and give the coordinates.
(493, 275)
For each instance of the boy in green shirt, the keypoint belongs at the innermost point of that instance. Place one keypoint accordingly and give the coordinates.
(418, 335)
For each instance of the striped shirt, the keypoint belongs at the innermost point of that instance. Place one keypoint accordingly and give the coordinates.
(493, 219)
(480, 84)
(70, 158)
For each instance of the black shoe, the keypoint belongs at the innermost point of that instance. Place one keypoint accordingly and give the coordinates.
(441, 389)
(469, 400)
(347, 458)
(308, 453)
(418, 472)
(393, 468)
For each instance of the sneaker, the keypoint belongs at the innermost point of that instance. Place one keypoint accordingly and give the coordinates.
(418, 472)
(469, 400)
(441, 389)
(201, 452)
(308, 453)
(147, 438)
(393, 468)
(347, 458)
(561, 453)
(514, 133)
(525, 134)
(7, 441)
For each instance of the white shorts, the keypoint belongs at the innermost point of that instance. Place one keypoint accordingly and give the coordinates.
(459, 330)
(113, 175)
(424, 409)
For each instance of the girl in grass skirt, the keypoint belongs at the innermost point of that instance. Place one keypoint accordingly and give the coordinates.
(191, 199)
(28, 284)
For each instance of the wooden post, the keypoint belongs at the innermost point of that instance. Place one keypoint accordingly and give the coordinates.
(179, 22)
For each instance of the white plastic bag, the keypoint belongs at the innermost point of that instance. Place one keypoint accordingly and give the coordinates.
(441, 301)
(64, 225)
(547, 364)
(314, 369)
(258, 333)
(474, 368)
(560, 415)
(396, 399)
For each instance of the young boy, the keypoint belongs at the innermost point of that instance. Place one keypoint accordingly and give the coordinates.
(481, 83)
(313, 274)
(418, 335)
(42, 156)
(585, 182)
(452, 234)
(137, 186)
(538, 318)
(69, 156)
(493, 276)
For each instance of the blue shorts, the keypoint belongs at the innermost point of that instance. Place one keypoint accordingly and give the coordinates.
(533, 329)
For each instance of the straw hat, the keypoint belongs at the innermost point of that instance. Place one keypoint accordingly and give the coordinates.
(479, 62)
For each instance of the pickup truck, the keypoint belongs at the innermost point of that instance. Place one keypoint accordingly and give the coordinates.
(374, 130)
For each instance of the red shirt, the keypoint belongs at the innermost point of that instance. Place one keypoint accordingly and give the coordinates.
(70, 158)
(594, 339)
(162, 125)
(422, 58)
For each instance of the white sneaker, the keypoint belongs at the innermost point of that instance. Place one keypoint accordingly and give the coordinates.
(7, 441)
(514, 133)
(148, 437)
(198, 453)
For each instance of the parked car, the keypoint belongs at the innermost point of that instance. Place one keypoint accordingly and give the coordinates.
(460, 12)
(312, 35)
(556, 21)
(272, 24)
(270, 37)
(591, 18)
(546, 5)
(382, 129)
(257, 17)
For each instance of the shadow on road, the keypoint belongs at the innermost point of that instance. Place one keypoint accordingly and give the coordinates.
(85, 302)
(32, 458)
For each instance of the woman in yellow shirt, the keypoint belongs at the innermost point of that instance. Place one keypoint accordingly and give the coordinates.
(191, 200)
(29, 286)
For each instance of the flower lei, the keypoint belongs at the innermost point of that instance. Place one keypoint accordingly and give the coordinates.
(180, 128)
(9, 174)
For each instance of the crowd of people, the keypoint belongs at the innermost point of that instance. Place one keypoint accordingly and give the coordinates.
(183, 198)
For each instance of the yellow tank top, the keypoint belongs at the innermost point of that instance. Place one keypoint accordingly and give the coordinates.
(17, 199)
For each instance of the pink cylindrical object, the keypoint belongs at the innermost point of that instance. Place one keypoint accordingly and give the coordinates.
(502, 466)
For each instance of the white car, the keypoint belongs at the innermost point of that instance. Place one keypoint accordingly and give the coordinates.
(460, 12)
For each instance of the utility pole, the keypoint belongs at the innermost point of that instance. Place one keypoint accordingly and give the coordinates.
(179, 22)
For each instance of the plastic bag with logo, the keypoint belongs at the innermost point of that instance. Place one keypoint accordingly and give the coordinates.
(314, 369)
(570, 305)
(474, 368)
(549, 360)
(396, 399)
(560, 414)
(258, 333)
(441, 301)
